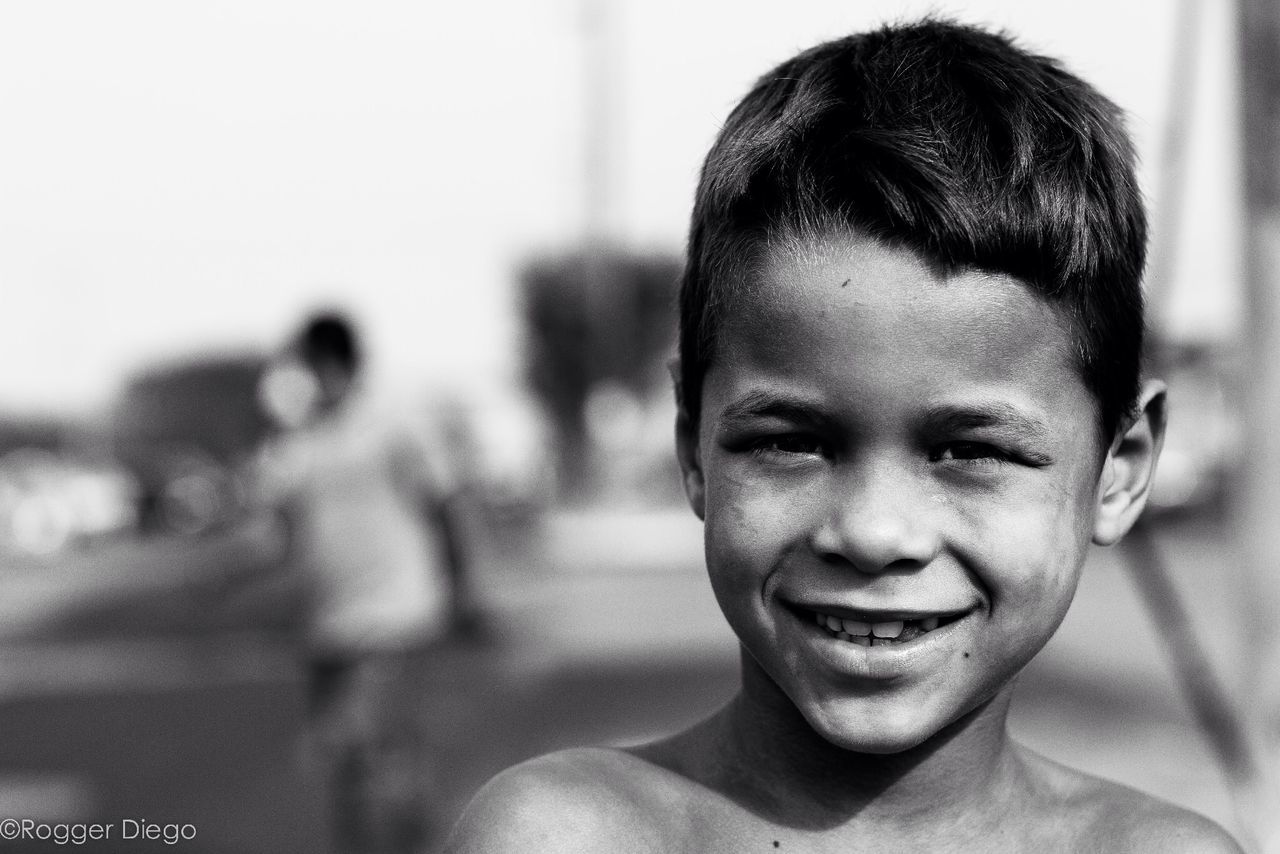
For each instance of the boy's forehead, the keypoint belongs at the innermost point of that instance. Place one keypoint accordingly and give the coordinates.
(825, 306)
(789, 265)
(796, 272)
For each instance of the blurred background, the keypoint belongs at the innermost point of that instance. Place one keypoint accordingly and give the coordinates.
(182, 184)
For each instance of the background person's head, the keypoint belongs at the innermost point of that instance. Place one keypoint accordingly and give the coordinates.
(945, 140)
(329, 347)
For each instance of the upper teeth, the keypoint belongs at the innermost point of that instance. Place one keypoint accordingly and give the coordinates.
(891, 629)
(858, 628)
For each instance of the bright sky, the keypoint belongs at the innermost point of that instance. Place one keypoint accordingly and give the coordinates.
(180, 177)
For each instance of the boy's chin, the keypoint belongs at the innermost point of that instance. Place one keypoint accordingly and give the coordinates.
(884, 739)
(884, 728)
(883, 731)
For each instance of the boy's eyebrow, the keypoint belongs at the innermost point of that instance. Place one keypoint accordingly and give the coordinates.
(763, 404)
(992, 413)
(941, 418)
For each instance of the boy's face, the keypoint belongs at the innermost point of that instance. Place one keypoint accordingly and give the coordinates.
(334, 379)
(911, 455)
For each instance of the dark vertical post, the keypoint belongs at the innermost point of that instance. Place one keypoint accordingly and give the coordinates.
(1258, 508)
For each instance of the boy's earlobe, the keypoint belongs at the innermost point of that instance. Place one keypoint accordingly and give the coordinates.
(690, 461)
(1129, 468)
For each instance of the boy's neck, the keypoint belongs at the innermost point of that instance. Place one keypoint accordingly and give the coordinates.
(774, 763)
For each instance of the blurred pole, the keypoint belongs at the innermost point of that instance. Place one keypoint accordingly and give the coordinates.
(602, 101)
(607, 311)
(1258, 512)
(1219, 718)
(597, 226)
(1171, 177)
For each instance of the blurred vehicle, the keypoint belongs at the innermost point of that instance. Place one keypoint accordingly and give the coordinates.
(186, 430)
(49, 501)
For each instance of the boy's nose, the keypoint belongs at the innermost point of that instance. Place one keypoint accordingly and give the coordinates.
(879, 522)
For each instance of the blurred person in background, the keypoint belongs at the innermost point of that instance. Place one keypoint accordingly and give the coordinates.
(374, 542)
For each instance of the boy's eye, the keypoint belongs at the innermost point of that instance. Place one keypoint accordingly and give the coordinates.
(969, 452)
(793, 443)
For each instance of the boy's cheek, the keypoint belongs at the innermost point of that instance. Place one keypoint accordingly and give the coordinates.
(748, 521)
(734, 543)
(1042, 518)
(1021, 553)
(744, 548)
(1033, 590)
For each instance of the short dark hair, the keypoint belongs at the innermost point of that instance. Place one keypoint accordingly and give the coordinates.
(949, 141)
(330, 337)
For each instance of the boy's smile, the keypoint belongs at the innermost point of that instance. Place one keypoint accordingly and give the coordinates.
(898, 471)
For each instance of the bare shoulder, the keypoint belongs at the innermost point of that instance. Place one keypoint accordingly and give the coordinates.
(581, 800)
(1137, 822)
(1109, 816)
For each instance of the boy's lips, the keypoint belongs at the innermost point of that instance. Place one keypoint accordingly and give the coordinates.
(891, 649)
(882, 642)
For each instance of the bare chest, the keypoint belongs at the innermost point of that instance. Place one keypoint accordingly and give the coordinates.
(702, 825)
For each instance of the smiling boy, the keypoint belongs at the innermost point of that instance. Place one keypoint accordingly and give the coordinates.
(910, 398)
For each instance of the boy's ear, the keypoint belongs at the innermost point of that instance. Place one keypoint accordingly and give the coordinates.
(687, 447)
(690, 461)
(1130, 466)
